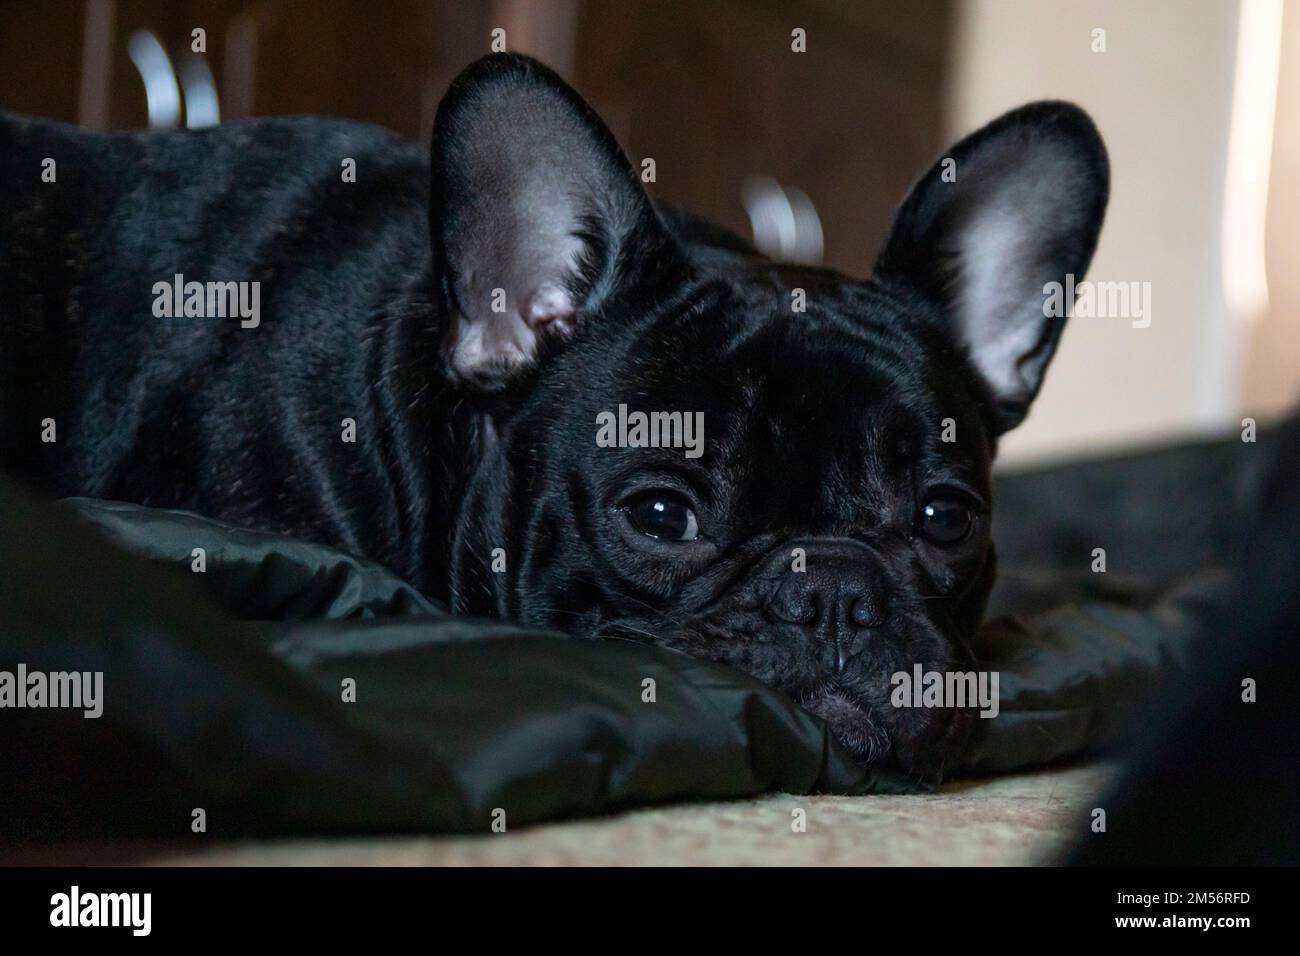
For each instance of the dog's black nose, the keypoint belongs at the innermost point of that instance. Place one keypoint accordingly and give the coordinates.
(834, 594)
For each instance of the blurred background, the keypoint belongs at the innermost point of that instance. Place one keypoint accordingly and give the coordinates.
(809, 151)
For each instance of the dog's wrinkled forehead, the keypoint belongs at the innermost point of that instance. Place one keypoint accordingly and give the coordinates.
(807, 373)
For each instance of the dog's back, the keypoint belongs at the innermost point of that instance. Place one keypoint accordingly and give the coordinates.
(99, 395)
(57, 193)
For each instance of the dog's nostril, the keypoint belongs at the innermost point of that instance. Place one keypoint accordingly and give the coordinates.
(801, 612)
(793, 604)
(866, 612)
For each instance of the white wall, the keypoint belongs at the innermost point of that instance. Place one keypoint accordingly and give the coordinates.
(1271, 373)
(1161, 96)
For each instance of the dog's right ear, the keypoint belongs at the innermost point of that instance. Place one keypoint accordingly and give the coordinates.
(537, 219)
(1022, 209)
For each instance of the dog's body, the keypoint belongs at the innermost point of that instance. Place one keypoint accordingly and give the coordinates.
(473, 325)
(201, 412)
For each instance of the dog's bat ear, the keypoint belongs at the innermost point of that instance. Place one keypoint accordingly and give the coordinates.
(538, 222)
(1008, 211)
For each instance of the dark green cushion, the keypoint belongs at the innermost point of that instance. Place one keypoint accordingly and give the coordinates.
(224, 690)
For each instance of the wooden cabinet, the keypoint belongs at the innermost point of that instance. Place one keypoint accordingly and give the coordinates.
(713, 92)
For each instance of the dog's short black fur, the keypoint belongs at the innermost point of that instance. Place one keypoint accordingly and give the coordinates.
(475, 426)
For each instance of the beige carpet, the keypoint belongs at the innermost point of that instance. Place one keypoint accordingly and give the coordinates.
(1022, 819)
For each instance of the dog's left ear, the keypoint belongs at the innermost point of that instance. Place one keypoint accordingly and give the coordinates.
(537, 219)
(1010, 209)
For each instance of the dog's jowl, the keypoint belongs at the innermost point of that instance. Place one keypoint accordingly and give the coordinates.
(822, 520)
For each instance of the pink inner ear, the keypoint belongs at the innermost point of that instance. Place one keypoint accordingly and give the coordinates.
(489, 348)
(549, 304)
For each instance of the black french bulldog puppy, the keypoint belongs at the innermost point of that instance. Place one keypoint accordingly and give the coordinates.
(477, 319)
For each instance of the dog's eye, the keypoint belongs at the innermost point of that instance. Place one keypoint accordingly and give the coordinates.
(945, 520)
(663, 515)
